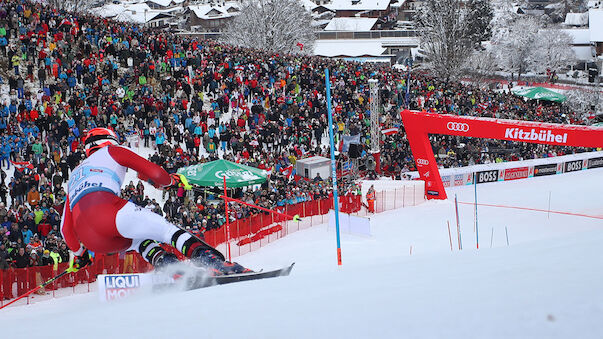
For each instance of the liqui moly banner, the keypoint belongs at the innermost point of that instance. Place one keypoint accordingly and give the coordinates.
(118, 286)
(419, 125)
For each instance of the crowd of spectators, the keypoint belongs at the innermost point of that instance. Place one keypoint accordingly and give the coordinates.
(194, 101)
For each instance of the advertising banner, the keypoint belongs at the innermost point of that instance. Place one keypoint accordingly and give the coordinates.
(419, 125)
(486, 176)
(446, 181)
(572, 166)
(118, 286)
(458, 180)
(542, 170)
(517, 173)
(595, 162)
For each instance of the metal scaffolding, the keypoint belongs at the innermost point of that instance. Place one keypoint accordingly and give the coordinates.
(374, 106)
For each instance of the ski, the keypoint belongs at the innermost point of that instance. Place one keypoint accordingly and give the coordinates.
(202, 280)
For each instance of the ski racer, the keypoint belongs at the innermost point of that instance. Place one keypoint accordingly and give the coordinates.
(95, 218)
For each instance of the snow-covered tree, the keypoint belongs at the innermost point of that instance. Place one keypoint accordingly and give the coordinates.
(479, 17)
(552, 50)
(515, 48)
(280, 26)
(480, 65)
(76, 6)
(504, 15)
(584, 102)
(444, 34)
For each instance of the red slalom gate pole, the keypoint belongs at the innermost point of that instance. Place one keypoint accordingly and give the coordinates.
(227, 230)
(449, 236)
(33, 290)
(294, 217)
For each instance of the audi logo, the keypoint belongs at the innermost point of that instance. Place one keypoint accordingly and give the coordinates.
(422, 162)
(458, 126)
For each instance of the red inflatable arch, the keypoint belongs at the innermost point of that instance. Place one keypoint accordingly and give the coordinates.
(419, 125)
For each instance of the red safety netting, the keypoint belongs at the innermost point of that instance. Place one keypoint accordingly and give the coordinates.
(245, 235)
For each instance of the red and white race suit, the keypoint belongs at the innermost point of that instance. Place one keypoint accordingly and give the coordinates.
(97, 218)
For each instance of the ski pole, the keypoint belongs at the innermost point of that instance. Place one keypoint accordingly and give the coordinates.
(33, 290)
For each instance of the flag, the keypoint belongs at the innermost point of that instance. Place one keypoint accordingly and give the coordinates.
(483, 105)
(346, 167)
(22, 165)
(239, 68)
(287, 171)
(347, 140)
(389, 131)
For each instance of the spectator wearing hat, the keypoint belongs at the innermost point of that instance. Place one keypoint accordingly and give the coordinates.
(46, 259)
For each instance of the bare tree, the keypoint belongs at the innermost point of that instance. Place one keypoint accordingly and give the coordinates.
(445, 36)
(552, 50)
(281, 26)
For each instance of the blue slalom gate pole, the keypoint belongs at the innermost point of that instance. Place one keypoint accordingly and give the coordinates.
(333, 164)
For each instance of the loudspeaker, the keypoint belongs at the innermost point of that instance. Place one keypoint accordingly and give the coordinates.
(354, 151)
(370, 164)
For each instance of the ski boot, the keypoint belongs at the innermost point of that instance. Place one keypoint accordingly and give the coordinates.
(161, 261)
(215, 265)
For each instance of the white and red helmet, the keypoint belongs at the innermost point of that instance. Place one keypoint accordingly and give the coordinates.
(98, 138)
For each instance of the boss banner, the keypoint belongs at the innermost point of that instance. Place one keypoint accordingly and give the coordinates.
(486, 176)
(572, 166)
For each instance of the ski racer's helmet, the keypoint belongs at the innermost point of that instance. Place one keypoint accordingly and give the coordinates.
(98, 138)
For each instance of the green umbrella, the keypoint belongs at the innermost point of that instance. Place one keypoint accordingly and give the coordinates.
(540, 93)
(211, 174)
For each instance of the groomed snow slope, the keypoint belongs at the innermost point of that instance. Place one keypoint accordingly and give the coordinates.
(546, 284)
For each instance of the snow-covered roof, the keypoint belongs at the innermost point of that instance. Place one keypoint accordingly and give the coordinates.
(581, 36)
(348, 48)
(351, 24)
(108, 10)
(214, 12)
(166, 3)
(308, 4)
(398, 4)
(595, 19)
(137, 17)
(362, 5)
(576, 19)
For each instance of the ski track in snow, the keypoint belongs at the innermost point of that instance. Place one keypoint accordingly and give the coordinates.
(546, 284)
